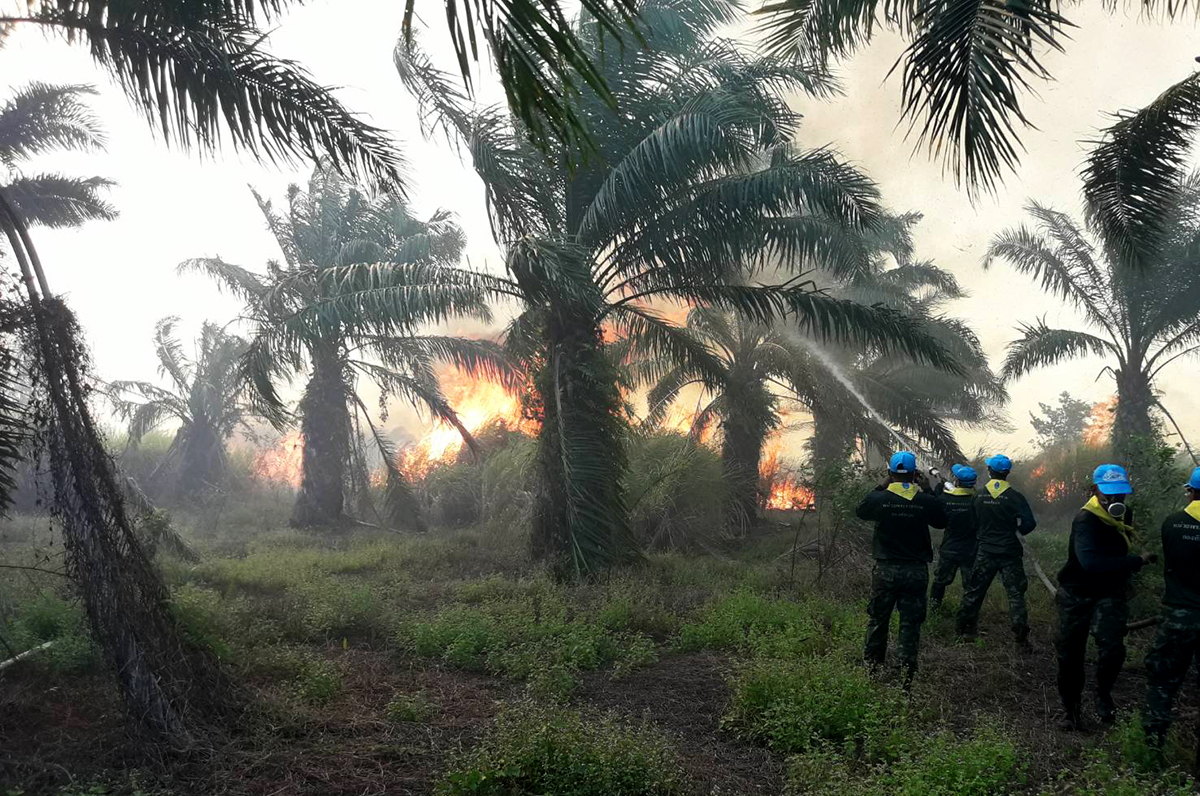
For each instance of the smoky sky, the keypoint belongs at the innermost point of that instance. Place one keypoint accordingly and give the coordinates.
(120, 276)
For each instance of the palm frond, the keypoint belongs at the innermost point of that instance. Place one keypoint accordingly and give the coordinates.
(1041, 346)
(480, 359)
(1031, 254)
(542, 64)
(14, 428)
(42, 117)
(832, 319)
(210, 78)
(168, 349)
(963, 75)
(1134, 173)
(56, 201)
(239, 281)
(653, 338)
(401, 508)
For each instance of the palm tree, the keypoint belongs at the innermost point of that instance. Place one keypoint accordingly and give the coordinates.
(966, 67)
(1141, 319)
(325, 231)
(695, 179)
(207, 397)
(123, 595)
(897, 400)
(767, 369)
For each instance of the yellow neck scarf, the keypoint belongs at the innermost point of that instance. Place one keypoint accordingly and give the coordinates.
(996, 487)
(1193, 510)
(906, 491)
(959, 490)
(1127, 532)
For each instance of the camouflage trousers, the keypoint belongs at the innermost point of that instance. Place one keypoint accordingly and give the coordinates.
(1105, 618)
(1167, 664)
(943, 574)
(1012, 574)
(899, 586)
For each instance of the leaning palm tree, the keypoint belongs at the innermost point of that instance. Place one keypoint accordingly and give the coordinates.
(1141, 319)
(697, 179)
(964, 73)
(124, 597)
(326, 230)
(206, 397)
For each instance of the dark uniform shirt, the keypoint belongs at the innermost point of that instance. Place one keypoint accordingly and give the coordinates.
(1098, 559)
(1181, 560)
(901, 526)
(1000, 518)
(961, 524)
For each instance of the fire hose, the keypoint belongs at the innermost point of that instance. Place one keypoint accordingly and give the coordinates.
(1049, 584)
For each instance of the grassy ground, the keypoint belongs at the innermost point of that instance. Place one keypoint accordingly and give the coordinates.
(450, 664)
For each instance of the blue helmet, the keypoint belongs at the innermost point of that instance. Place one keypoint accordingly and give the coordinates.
(1111, 479)
(903, 463)
(999, 463)
(1194, 481)
(964, 474)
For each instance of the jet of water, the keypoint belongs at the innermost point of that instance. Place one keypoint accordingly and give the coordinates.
(839, 374)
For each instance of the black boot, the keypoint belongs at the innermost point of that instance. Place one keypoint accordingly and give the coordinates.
(1072, 719)
(1021, 635)
(1106, 709)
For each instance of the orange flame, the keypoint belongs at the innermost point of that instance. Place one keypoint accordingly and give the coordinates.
(1054, 490)
(281, 464)
(1100, 423)
(477, 403)
(1038, 472)
(782, 490)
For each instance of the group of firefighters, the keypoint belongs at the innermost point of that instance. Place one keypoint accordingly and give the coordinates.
(984, 530)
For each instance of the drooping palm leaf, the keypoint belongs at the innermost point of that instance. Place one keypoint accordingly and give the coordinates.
(1133, 175)
(57, 201)
(41, 117)
(201, 75)
(1041, 346)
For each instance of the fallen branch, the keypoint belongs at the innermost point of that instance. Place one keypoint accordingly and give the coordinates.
(1141, 623)
(26, 654)
(33, 569)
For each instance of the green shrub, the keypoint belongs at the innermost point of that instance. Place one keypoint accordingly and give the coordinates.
(330, 608)
(986, 764)
(749, 621)
(48, 617)
(410, 708)
(795, 705)
(198, 612)
(1104, 776)
(319, 682)
(548, 750)
(676, 490)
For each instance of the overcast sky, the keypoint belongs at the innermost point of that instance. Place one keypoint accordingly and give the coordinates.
(120, 276)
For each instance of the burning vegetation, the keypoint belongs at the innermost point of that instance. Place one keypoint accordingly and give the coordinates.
(780, 488)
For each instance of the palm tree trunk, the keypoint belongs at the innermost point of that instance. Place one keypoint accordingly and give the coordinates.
(741, 455)
(581, 520)
(123, 595)
(1132, 423)
(324, 427)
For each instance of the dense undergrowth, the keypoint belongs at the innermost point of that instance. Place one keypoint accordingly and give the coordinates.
(293, 615)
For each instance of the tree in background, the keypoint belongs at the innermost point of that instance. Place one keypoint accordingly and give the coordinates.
(695, 178)
(1062, 425)
(895, 399)
(300, 327)
(206, 396)
(1144, 316)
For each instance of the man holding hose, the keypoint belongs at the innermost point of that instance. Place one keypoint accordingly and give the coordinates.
(1178, 640)
(1001, 512)
(1093, 593)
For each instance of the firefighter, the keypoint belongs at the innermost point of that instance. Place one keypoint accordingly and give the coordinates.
(1002, 512)
(1093, 594)
(957, 550)
(902, 508)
